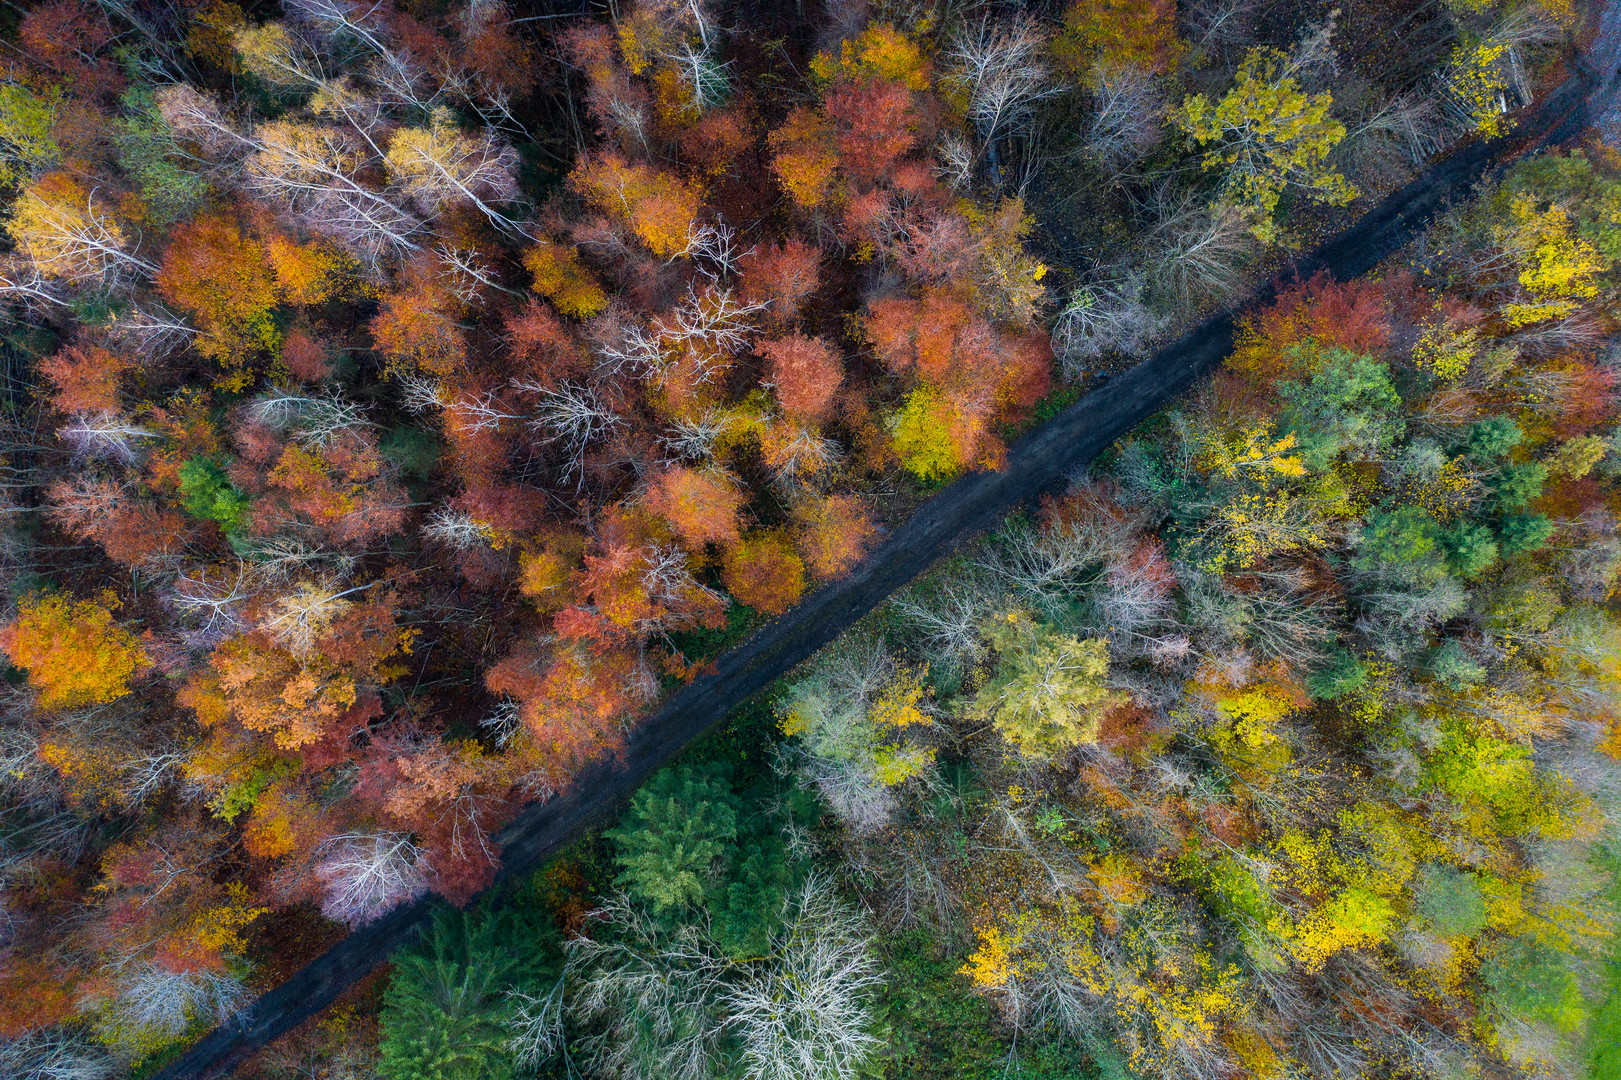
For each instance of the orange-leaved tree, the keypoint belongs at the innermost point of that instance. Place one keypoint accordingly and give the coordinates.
(217, 273)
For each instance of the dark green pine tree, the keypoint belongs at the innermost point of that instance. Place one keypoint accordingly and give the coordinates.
(447, 1012)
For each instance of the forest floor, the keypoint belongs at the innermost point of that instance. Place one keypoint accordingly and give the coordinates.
(1043, 459)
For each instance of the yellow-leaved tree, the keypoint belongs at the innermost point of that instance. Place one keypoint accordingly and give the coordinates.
(1268, 136)
(73, 651)
(1047, 694)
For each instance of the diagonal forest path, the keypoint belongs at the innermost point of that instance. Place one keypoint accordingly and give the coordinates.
(1037, 463)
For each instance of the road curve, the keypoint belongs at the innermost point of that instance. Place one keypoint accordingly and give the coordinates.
(1038, 462)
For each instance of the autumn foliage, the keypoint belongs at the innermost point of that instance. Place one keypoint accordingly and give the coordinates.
(73, 650)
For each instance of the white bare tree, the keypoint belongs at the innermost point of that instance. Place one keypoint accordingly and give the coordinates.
(313, 170)
(315, 421)
(402, 81)
(627, 345)
(999, 66)
(504, 721)
(22, 281)
(104, 435)
(712, 250)
(667, 1002)
(668, 578)
(441, 165)
(800, 455)
(1108, 317)
(948, 617)
(150, 331)
(300, 618)
(655, 995)
(694, 438)
(214, 596)
(715, 323)
(706, 78)
(73, 239)
(464, 273)
(807, 1013)
(1128, 114)
(455, 529)
(1195, 252)
(151, 998)
(280, 559)
(955, 164)
(537, 1026)
(571, 415)
(366, 875)
(418, 394)
(53, 1055)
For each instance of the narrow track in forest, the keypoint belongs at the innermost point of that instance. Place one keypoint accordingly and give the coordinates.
(1037, 463)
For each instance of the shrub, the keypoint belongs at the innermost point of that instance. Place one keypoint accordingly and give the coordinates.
(1492, 438)
(1342, 674)
(1449, 901)
(1402, 546)
(1529, 981)
(1521, 534)
(1471, 549)
(1451, 666)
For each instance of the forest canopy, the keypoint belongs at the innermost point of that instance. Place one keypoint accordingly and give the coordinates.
(400, 400)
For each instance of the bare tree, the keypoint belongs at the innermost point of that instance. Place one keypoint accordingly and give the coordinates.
(714, 324)
(151, 331)
(104, 435)
(300, 618)
(956, 161)
(1391, 139)
(667, 1001)
(315, 421)
(1195, 252)
(999, 66)
(215, 596)
(313, 170)
(537, 1027)
(706, 78)
(1109, 317)
(419, 393)
(656, 996)
(504, 721)
(456, 529)
(572, 415)
(278, 560)
(807, 1014)
(949, 616)
(365, 875)
(1128, 114)
(712, 249)
(694, 438)
(79, 244)
(169, 1002)
(798, 454)
(53, 1055)
(441, 165)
